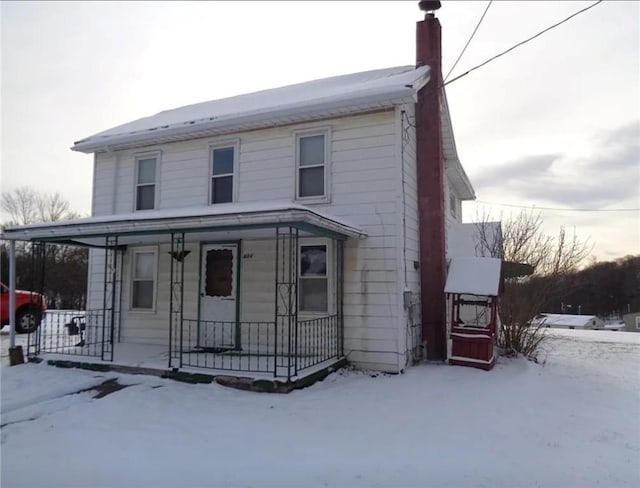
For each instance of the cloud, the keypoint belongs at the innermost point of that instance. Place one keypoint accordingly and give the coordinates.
(609, 175)
(524, 168)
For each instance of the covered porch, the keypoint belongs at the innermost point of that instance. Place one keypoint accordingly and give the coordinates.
(215, 269)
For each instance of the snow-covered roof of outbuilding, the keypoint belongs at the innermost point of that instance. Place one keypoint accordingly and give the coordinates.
(328, 97)
(474, 276)
(566, 319)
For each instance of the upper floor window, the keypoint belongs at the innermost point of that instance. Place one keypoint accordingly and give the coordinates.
(222, 171)
(146, 169)
(312, 166)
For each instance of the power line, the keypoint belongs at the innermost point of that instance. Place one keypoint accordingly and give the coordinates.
(535, 207)
(470, 38)
(523, 42)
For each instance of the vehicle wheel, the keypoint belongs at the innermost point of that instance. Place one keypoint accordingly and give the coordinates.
(27, 320)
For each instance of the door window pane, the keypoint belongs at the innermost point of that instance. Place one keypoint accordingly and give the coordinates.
(312, 150)
(311, 181)
(219, 273)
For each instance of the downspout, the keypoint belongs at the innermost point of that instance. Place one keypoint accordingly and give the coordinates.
(430, 176)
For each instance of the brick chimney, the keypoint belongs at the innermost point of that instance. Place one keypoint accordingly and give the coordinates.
(430, 174)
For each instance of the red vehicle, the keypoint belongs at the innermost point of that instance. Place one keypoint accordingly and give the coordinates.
(30, 307)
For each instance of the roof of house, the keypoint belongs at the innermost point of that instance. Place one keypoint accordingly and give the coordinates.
(338, 95)
(474, 276)
(566, 319)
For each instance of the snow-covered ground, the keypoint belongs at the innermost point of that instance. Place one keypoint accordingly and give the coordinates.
(573, 421)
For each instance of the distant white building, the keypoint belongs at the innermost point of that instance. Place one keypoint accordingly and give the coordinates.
(567, 321)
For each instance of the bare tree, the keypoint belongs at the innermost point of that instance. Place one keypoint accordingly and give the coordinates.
(65, 267)
(24, 205)
(52, 207)
(20, 206)
(534, 264)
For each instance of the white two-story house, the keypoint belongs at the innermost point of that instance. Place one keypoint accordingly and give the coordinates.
(276, 232)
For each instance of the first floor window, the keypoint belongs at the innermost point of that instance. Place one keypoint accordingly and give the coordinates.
(313, 281)
(637, 322)
(143, 280)
(222, 163)
(146, 183)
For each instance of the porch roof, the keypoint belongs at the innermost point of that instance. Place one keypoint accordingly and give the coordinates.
(227, 217)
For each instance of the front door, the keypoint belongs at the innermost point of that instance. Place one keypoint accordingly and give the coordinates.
(218, 295)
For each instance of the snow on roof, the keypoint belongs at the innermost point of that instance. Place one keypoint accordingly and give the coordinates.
(351, 93)
(225, 214)
(474, 276)
(565, 319)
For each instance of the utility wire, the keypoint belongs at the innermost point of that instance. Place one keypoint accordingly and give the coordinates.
(560, 209)
(523, 42)
(469, 41)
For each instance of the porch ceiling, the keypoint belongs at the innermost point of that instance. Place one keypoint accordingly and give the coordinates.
(224, 221)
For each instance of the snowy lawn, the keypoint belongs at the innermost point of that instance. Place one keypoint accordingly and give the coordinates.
(572, 422)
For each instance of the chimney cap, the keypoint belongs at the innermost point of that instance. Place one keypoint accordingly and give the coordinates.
(429, 5)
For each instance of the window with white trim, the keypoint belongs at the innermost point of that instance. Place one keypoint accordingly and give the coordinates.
(146, 170)
(143, 279)
(222, 171)
(637, 322)
(312, 168)
(313, 280)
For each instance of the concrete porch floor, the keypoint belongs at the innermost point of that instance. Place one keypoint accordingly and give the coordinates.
(154, 359)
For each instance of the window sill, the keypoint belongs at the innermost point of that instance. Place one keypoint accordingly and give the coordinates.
(312, 200)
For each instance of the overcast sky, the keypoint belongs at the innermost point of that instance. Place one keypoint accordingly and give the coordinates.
(556, 123)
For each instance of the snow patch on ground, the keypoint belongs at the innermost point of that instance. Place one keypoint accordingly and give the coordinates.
(570, 422)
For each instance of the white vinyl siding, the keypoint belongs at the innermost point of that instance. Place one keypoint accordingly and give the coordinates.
(365, 190)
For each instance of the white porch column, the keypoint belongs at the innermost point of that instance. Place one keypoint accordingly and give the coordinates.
(12, 293)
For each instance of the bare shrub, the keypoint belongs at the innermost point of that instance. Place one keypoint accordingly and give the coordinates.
(534, 262)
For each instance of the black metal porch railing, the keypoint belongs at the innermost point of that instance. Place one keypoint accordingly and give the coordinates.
(75, 333)
(259, 347)
(244, 346)
(317, 341)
